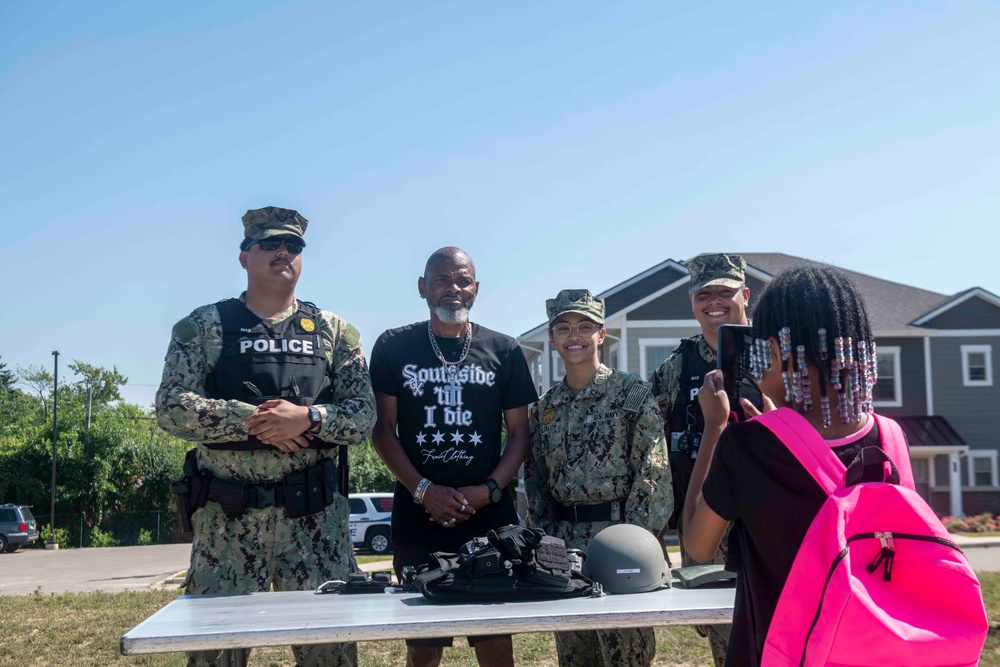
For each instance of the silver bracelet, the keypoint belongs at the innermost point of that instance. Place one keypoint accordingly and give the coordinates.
(422, 486)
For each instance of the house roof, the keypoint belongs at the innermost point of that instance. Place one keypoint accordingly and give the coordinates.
(956, 300)
(892, 307)
(926, 431)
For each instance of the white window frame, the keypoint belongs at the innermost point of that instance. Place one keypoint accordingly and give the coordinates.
(612, 352)
(556, 377)
(644, 343)
(982, 454)
(897, 380)
(987, 351)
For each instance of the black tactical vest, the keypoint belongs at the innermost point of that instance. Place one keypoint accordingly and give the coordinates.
(260, 361)
(693, 371)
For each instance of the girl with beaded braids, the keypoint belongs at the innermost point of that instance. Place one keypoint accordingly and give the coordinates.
(813, 353)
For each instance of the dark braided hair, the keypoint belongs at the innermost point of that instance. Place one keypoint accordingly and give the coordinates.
(804, 301)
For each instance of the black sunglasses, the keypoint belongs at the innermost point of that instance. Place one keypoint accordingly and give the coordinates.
(270, 245)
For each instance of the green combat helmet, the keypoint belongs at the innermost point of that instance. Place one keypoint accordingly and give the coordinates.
(626, 559)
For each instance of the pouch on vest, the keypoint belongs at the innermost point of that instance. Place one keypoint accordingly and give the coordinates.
(232, 495)
(295, 494)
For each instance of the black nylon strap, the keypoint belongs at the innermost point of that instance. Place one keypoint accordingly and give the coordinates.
(582, 513)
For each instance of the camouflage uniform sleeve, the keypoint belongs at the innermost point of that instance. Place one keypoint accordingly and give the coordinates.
(182, 409)
(350, 417)
(536, 478)
(666, 380)
(651, 500)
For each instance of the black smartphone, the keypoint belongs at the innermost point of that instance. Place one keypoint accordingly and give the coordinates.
(733, 359)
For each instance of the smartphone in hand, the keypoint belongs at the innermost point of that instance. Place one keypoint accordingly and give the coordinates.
(733, 359)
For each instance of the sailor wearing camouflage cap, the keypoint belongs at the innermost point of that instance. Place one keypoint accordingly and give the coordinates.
(598, 457)
(718, 295)
(251, 381)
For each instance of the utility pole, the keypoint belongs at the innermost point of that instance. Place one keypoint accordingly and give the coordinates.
(55, 432)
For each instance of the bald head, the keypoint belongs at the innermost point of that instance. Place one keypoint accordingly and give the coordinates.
(449, 285)
(448, 255)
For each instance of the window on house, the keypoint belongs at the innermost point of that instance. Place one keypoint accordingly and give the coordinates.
(612, 356)
(888, 390)
(983, 468)
(558, 368)
(653, 352)
(977, 365)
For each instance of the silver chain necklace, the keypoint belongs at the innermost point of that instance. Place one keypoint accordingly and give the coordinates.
(450, 366)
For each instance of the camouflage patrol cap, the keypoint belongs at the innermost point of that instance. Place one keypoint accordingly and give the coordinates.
(716, 269)
(576, 301)
(271, 221)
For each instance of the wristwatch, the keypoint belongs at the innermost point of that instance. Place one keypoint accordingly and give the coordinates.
(496, 493)
(315, 418)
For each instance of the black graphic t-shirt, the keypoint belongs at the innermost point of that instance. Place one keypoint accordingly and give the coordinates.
(450, 428)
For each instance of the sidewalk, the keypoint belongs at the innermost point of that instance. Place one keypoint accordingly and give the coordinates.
(973, 542)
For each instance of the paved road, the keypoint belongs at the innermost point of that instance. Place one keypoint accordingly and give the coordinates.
(111, 569)
(123, 568)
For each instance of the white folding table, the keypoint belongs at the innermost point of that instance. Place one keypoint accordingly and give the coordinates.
(212, 622)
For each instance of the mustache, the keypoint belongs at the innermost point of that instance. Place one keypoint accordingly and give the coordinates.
(280, 261)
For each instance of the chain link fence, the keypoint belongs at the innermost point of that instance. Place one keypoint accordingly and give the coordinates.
(116, 529)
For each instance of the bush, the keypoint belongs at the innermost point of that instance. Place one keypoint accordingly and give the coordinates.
(145, 538)
(99, 538)
(62, 537)
(981, 523)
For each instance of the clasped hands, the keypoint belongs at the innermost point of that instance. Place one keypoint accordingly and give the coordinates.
(281, 424)
(449, 506)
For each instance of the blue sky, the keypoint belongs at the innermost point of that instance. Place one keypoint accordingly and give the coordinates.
(561, 144)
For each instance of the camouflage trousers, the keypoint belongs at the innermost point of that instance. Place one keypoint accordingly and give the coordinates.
(262, 549)
(606, 648)
(718, 635)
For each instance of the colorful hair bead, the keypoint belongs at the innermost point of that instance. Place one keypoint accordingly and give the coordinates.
(765, 354)
(823, 353)
(796, 387)
(805, 391)
(856, 393)
(838, 355)
(789, 390)
(824, 404)
(786, 343)
(848, 353)
(845, 415)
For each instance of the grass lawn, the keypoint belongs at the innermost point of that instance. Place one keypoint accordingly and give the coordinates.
(84, 629)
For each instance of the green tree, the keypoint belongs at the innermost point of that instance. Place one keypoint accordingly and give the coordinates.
(103, 383)
(368, 472)
(7, 377)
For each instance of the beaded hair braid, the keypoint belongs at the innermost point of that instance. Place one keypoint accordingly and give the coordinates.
(805, 309)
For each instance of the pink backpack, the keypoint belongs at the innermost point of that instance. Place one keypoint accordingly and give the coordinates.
(877, 579)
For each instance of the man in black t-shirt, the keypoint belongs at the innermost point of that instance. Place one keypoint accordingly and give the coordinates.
(444, 389)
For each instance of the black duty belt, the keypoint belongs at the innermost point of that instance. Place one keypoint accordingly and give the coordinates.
(301, 493)
(610, 511)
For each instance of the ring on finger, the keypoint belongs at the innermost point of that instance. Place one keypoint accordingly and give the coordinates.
(462, 508)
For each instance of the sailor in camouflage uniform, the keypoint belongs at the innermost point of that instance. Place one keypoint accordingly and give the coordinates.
(268, 386)
(598, 457)
(719, 295)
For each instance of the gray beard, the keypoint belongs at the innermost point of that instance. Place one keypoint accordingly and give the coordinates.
(449, 316)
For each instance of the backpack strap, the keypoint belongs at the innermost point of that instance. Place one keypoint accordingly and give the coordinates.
(807, 446)
(894, 444)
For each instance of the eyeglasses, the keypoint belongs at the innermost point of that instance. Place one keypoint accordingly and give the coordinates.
(562, 330)
(270, 245)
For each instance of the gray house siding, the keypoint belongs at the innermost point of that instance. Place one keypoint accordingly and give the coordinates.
(674, 305)
(914, 377)
(973, 411)
(974, 313)
(641, 289)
